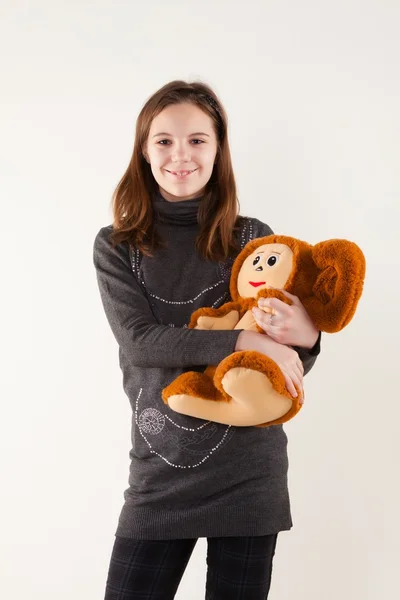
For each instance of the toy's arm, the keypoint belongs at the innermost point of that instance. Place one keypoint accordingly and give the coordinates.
(273, 293)
(223, 318)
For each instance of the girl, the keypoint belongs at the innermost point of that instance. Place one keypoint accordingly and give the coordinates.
(175, 233)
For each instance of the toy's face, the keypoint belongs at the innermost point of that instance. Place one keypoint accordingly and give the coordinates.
(268, 265)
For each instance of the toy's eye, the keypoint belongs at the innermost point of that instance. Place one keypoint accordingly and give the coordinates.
(256, 260)
(272, 260)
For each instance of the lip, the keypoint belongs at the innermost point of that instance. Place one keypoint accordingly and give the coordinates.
(179, 174)
(257, 283)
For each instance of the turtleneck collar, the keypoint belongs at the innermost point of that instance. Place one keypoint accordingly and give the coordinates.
(183, 212)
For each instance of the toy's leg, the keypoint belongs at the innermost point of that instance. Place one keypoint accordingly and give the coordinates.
(257, 389)
(210, 371)
(195, 395)
(190, 384)
(248, 389)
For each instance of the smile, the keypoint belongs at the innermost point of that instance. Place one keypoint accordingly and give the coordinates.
(181, 174)
(257, 283)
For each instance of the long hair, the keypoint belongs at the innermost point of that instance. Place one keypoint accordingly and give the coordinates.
(133, 218)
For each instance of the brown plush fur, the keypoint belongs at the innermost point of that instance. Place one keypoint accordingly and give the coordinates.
(328, 279)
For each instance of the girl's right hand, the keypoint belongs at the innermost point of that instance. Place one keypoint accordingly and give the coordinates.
(285, 357)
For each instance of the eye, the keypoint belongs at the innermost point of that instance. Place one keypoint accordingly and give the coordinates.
(272, 260)
(256, 260)
(196, 142)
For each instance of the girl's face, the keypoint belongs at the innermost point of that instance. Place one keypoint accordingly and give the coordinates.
(181, 150)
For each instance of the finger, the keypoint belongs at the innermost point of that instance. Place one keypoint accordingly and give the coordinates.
(292, 297)
(300, 370)
(290, 385)
(276, 305)
(298, 366)
(297, 381)
(263, 319)
(299, 374)
(301, 390)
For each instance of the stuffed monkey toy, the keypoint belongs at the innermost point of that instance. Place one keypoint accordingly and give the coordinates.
(247, 388)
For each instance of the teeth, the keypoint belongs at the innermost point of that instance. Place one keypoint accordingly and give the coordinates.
(182, 173)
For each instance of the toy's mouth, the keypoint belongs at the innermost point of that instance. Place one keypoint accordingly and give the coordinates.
(257, 283)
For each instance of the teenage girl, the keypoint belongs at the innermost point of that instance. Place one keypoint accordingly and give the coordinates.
(175, 233)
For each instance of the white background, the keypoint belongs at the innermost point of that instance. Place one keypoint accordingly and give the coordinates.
(312, 92)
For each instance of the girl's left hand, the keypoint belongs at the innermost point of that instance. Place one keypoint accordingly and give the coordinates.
(288, 324)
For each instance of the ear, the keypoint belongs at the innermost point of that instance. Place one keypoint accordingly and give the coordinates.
(338, 285)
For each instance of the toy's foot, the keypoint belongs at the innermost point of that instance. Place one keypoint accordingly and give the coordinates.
(257, 389)
(192, 383)
(195, 395)
(248, 390)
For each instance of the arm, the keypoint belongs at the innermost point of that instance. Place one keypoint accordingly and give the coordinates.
(292, 327)
(139, 335)
(285, 357)
(308, 356)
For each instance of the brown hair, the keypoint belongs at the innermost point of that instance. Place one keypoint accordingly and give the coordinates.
(219, 208)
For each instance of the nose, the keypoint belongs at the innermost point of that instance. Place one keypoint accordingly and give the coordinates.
(180, 153)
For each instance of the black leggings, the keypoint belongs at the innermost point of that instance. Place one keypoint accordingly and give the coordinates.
(237, 568)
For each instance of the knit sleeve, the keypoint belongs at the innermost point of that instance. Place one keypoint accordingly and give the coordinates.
(308, 357)
(256, 228)
(141, 338)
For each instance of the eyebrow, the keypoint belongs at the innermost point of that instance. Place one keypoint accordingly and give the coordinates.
(197, 133)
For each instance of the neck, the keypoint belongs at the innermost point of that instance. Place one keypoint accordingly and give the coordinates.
(171, 198)
(183, 212)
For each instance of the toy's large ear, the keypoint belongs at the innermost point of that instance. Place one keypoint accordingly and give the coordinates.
(338, 286)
